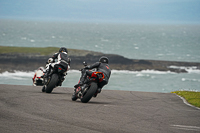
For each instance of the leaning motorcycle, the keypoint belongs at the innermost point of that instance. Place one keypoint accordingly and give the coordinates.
(55, 78)
(90, 88)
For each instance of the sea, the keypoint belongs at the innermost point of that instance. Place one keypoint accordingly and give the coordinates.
(168, 42)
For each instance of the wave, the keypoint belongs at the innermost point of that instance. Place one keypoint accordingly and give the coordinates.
(141, 72)
(17, 74)
(191, 69)
(74, 71)
(187, 79)
(21, 74)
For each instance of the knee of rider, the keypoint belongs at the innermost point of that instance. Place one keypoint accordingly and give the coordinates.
(83, 71)
(53, 64)
(89, 73)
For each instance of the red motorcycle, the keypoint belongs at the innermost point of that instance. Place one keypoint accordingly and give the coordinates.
(89, 88)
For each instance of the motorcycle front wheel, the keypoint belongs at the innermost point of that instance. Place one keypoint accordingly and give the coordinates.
(74, 98)
(90, 92)
(52, 83)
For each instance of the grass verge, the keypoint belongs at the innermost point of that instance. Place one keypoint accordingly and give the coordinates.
(43, 51)
(191, 97)
(28, 50)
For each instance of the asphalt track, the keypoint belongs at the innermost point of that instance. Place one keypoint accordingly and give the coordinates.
(25, 109)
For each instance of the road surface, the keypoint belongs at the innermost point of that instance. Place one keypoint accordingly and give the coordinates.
(25, 109)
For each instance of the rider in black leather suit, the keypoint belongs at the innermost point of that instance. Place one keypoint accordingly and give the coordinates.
(101, 66)
(62, 59)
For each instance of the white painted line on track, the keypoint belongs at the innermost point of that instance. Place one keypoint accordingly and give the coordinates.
(184, 127)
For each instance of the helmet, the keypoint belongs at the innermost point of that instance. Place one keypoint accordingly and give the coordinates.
(63, 49)
(103, 59)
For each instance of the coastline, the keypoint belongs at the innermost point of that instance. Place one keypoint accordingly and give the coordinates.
(31, 61)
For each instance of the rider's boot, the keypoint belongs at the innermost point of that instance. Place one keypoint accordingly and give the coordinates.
(46, 73)
(44, 88)
(82, 79)
(62, 79)
(74, 92)
(74, 97)
(98, 91)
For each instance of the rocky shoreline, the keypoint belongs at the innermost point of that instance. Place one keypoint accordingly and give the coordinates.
(30, 62)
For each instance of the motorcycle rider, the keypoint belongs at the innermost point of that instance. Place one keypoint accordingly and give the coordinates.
(101, 66)
(62, 59)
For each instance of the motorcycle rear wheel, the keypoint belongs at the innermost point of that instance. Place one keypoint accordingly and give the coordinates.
(52, 83)
(90, 92)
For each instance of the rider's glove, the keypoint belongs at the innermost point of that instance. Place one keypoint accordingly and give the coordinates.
(50, 60)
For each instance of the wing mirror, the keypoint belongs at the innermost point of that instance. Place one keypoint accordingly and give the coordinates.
(84, 63)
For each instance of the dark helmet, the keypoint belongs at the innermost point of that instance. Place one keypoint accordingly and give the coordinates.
(103, 59)
(63, 49)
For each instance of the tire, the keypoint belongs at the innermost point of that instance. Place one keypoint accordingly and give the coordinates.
(52, 83)
(74, 98)
(90, 92)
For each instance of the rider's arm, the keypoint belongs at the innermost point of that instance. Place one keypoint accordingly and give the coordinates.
(55, 56)
(95, 65)
(52, 59)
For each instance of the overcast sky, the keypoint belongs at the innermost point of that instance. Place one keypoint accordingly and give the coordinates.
(142, 11)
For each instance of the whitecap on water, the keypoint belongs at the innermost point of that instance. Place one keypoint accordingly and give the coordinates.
(183, 79)
(187, 79)
(142, 72)
(32, 40)
(21, 74)
(23, 38)
(139, 75)
(16, 74)
(156, 72)
(191, 69)
(74, 71)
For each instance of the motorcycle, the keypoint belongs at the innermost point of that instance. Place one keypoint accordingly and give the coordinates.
(37, 79)
(55, 78)
(90, 88)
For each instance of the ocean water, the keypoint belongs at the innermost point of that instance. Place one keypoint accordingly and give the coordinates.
(134, 41)
(147, 80)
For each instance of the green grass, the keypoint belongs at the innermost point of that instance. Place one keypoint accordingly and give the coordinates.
(190, 96)
(28, 50)
(43, 51)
